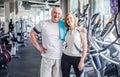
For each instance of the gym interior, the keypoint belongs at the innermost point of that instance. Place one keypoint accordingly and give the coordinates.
(18, 56)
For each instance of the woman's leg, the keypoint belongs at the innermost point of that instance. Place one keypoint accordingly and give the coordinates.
(65, 65)
(75, 63)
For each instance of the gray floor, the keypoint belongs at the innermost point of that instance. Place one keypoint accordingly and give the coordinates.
(27, 65)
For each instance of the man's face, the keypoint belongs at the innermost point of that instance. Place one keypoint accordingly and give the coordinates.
(56, 14)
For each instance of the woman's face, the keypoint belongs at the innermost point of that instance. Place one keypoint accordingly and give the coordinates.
(70, 20)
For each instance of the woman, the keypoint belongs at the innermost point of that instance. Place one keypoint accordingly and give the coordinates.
(76, 47)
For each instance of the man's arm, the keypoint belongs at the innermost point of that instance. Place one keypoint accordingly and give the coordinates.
(33, 38)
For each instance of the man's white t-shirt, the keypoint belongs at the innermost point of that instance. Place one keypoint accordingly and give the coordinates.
(50, 39)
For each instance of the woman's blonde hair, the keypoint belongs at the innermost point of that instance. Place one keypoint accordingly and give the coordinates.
(75, 23)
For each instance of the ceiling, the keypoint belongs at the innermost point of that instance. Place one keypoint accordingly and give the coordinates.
(29, 3)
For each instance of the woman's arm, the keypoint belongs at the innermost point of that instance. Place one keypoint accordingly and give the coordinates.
(83, 36)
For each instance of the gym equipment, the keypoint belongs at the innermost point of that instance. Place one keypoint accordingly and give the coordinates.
(11, 26)
(114, 6)
(5, 56)
(101, 45)
(22, 28)
(19, 26)
(13, 44)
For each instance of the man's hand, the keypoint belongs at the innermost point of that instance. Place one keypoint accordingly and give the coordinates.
(42, 49)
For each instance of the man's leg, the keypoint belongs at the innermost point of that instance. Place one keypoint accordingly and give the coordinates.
(57, 68)
(46, 67)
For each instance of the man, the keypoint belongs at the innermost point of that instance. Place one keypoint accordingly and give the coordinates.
(51, 47)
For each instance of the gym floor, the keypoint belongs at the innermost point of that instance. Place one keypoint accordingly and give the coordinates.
(26, 64)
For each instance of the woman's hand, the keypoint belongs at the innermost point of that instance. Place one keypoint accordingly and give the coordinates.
(88, 47)
(81, 65)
